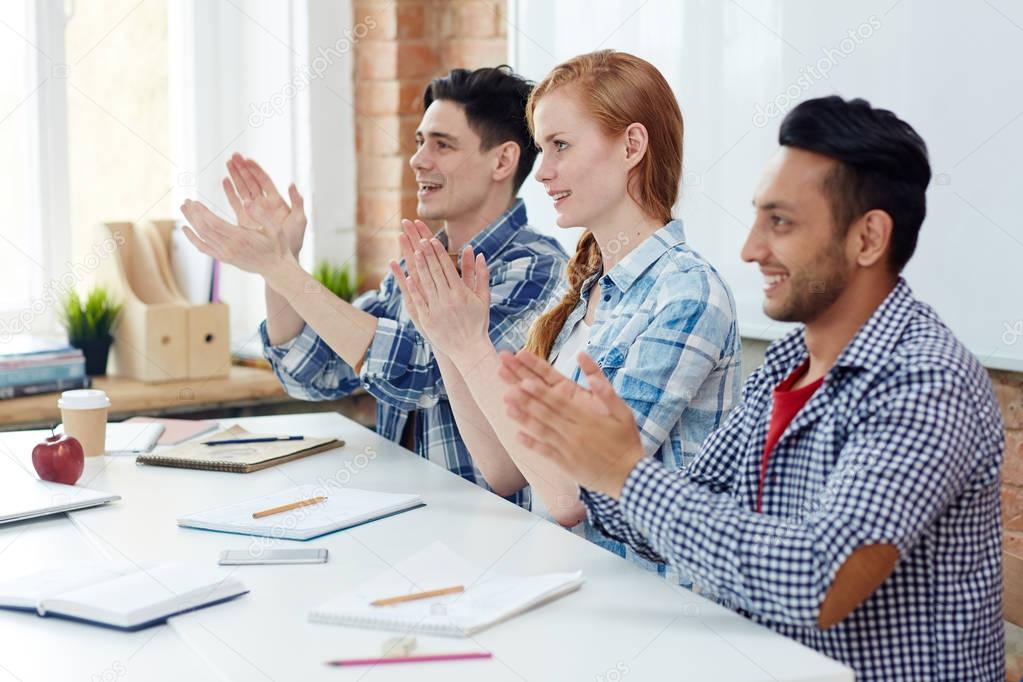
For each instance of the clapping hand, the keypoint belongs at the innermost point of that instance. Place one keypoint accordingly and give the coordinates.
(590, 433)
(269, 232)
(249, 182)
(451, 309)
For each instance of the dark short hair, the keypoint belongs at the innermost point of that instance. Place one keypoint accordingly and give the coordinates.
(494, 100)
(882, 164)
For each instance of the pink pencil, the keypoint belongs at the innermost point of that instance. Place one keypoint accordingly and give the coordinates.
(412, 659)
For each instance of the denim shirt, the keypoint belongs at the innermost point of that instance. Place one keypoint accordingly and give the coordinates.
(666, 336)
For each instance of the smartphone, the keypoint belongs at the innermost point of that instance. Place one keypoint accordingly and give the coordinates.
(239, 557)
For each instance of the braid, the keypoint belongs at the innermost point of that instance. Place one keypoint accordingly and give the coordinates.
(585, 262)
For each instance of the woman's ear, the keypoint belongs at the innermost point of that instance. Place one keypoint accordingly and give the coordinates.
(506, 160)
(636, 141)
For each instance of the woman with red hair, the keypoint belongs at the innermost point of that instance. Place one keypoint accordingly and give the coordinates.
(655, 315)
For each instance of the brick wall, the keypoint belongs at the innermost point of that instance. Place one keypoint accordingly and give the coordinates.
(412, 41)
(1009, 387)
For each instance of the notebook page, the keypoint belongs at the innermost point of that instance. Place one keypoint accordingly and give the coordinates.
(491, 600)
(122, 438)
(144, 595)
(498, 598)
(480, 606)
(177, 430)
(29, 590)
(432, 568)
(343, 507)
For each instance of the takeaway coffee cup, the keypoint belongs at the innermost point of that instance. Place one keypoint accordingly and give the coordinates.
(84, 413)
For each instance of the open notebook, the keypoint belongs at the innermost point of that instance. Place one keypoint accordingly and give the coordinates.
(343, 508)
(241, 458)
(119, 594)
(488, 598)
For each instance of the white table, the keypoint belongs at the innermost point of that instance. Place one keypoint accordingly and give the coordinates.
(624, 624)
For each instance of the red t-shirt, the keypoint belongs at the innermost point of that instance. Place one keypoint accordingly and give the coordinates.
(787, 404)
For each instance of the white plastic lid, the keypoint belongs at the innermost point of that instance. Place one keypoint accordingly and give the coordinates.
(83, 399)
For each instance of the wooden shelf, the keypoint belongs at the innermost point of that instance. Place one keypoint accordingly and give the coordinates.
(243, 386)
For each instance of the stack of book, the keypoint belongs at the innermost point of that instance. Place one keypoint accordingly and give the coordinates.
(30, 365)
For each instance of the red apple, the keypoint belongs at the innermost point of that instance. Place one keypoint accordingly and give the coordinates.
(60, 459)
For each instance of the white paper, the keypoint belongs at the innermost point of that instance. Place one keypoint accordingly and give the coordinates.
(488, 599)
(343, 508)
(132, 438)
(193, 270)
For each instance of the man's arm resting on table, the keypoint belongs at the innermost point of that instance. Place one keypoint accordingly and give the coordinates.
(857, 578)
(895, 474)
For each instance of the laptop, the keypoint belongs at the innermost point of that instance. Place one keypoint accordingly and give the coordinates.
(24, 496)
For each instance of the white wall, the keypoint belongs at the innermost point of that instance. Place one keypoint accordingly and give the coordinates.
(951, 69)
(271, 80)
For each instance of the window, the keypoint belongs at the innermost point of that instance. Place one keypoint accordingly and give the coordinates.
(117, 115)
(23, 268)
(118, 110)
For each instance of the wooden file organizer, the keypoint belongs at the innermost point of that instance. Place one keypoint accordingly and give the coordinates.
(161, 336)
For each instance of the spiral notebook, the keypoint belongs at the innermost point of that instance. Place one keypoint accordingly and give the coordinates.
(488, 598)
(241, 458)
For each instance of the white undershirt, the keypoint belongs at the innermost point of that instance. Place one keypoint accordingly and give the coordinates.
(567, 361)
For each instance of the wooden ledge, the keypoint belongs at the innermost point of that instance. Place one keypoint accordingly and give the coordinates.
(128, 397)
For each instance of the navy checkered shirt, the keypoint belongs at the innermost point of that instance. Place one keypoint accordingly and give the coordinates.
(399, 368)
(901, 444)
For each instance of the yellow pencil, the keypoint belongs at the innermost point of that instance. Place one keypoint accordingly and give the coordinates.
(288, 507)
(418, 595)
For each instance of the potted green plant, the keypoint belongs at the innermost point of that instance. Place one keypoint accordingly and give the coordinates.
(90, 326)
(342, 281)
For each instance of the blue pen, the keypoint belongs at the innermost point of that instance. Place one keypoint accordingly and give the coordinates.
(237, 441)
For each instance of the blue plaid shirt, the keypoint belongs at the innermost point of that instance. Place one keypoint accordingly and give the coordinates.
(665, 334)
(399, 368)
(901, 444)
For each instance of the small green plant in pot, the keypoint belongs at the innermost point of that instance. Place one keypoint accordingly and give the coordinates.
(342, 281)
(90, 326)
